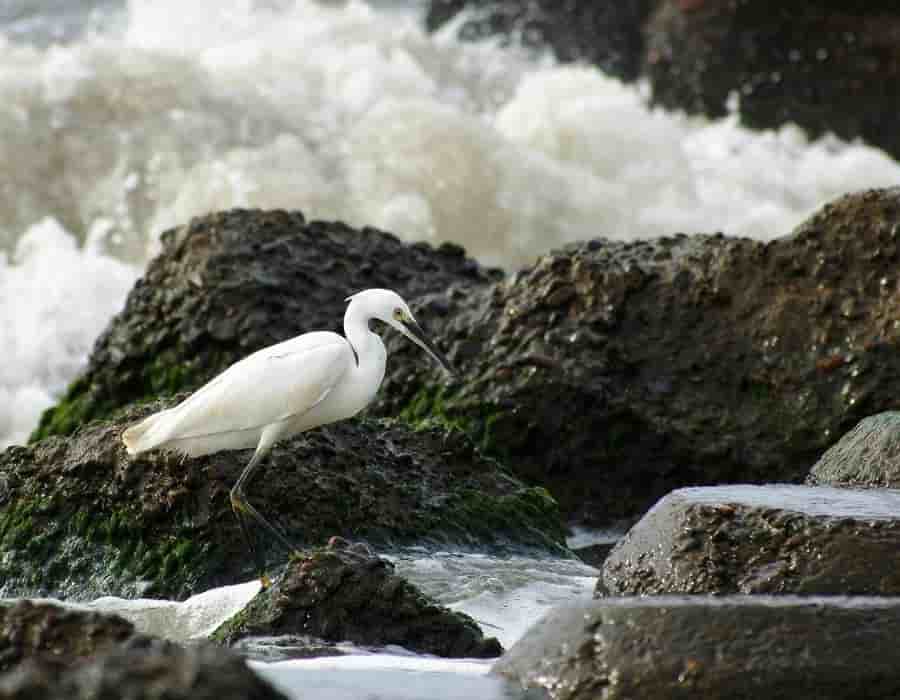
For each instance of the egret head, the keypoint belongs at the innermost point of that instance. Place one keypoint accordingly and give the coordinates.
(388, 307)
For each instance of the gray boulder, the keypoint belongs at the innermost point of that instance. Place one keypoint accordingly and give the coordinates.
(761, 539)
(732, 648)
(869, 455)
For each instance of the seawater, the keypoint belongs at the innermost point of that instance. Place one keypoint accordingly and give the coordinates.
(505, 594)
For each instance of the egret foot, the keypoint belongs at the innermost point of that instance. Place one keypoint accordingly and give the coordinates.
(242, 508)
(265, 581)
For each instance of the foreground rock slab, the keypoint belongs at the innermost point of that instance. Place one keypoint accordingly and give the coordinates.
(339, 595)
(869, 455)
(80, 518)
(761, 539)
(612, 372)
(56, 653)
(732, 648)
(51, 633)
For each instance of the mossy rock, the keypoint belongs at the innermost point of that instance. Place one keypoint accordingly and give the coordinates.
(82, 519)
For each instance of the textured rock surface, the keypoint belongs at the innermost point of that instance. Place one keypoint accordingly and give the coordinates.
(143, 669)
(869, 455)
(761, 539)
(606, 33)
(733, 648)
(79, 518)
(50, 633)
(232, 282)
(824, 65)
(51, 652)
(614, 372)
(341, 595)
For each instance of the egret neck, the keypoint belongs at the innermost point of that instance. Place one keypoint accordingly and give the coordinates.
(371, 355)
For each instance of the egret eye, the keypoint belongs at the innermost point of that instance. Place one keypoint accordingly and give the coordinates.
(398, 314)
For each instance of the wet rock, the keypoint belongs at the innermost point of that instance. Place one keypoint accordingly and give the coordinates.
(340, 595)
(607, 34)
(869, 455)
(48, 651)
(594, 554)
(81, 519)
(672, 362)
(732, 648)
(53, 634)
(232, 282)
(761, 539)
(829, 67)
(143, 668)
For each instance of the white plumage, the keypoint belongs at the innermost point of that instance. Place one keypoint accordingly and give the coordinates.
(279, 391)
(273, 386)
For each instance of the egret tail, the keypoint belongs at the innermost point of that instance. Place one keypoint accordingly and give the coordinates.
(149, 433)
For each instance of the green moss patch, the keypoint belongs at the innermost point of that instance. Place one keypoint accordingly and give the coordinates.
(53, 551)
(436, 406)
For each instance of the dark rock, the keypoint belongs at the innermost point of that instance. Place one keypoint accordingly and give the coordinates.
(672, 362)
(761, 539)
(51, 652)
(339, 595)
(82, 519)
(606, 33)
(52, 634)
(143, 669)
(594, 554)
(233, 282)
(827, 66)
(733, 648)
(869, 455)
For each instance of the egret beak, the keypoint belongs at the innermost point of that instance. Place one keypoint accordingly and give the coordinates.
(414, 332)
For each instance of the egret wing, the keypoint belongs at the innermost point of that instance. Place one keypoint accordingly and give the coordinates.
(266, 387)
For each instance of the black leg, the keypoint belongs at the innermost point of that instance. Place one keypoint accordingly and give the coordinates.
(258, 557)
(242, 509)
(240, 505)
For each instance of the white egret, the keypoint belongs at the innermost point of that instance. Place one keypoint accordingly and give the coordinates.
(279, 391)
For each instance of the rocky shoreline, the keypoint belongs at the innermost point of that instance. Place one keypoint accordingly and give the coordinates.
(662, 383)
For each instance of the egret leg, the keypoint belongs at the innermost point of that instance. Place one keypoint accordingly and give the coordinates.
(242, 508)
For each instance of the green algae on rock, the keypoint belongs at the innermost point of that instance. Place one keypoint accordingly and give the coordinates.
(81, 519)
(232, 282)
(340, 595)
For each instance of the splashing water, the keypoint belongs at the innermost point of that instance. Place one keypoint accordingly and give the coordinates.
(55, 299)
(166, 110)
